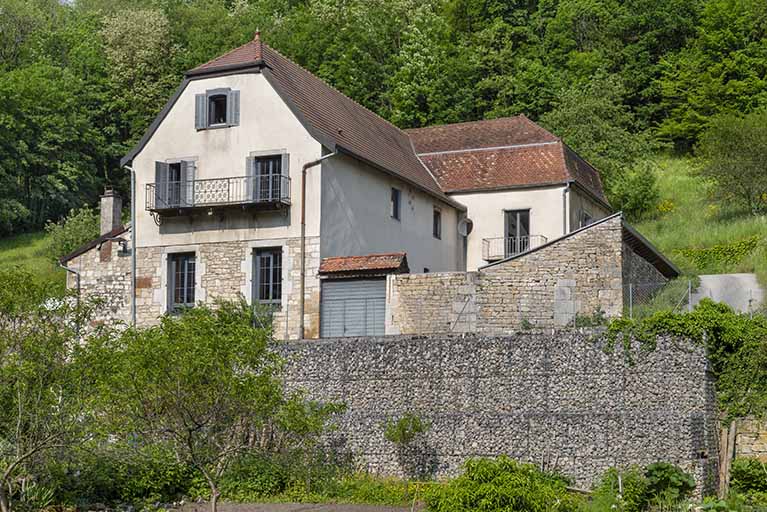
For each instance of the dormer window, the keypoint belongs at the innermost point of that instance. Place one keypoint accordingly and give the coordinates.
(217, 108)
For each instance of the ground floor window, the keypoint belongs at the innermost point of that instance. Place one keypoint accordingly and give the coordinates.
(181, 281)
(267, 272)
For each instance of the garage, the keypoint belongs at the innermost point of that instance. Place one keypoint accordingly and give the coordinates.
(353, 293)
(352, 307)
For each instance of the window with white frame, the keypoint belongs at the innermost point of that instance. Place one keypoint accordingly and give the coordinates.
(181, 281)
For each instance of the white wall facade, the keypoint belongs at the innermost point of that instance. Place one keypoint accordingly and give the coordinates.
(486, 210)
(266, 126)
(356, 218)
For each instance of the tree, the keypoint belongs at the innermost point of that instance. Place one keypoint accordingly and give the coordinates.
(80, 226)
(734, 150)
(43, 395)
(205, 383)
(592, 119)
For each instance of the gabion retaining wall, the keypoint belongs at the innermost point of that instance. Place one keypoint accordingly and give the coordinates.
(560, 399)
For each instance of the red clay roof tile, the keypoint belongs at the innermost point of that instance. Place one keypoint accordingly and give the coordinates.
(371, 262)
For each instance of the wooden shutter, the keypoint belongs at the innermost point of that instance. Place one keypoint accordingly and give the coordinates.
(233, 108)
(160, 185)
(285, 171)
(200, 111)
(250, 178)
(187, 182)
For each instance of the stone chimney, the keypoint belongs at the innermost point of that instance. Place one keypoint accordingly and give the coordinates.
(111, 210)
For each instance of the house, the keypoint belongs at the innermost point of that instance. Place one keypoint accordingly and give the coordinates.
(257, 179)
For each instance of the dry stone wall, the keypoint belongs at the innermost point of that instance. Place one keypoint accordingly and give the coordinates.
(561, 399)
(579, 275)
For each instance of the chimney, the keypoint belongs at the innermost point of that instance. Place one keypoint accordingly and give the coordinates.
(111, 210)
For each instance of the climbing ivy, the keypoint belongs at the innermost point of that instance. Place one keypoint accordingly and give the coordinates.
(722, 254)
(736, 345)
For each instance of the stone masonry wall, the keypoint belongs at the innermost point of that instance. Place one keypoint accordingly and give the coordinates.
(581, 274)
(105, 279)
(562, 399)
(751, 438)
(223, 272)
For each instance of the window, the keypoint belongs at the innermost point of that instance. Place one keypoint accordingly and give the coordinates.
(437, 224)
(517, 232)
(181, 279)
(586, 218)
(395, 203)
(217, 109)
(267, 272)
(265, 180)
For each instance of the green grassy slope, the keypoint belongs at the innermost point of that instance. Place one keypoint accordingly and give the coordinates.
(689, 216)
(28, 251)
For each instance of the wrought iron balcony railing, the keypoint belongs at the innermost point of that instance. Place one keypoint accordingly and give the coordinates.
(494, 249)
(177, 197)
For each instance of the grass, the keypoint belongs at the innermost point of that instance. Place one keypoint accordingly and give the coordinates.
(690, 215)
(29, 251)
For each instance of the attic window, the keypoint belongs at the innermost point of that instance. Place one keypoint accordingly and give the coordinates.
(217, 109)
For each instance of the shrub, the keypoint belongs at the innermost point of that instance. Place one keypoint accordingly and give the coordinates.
(748, 475)
(79, 226)
(667, 482)
(502, 484)
(634, 484)
(636, 193)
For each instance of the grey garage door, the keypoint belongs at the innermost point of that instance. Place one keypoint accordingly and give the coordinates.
(352, 307)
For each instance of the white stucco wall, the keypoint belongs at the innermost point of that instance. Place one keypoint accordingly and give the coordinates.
(266, 124)
(486, 209)
(356, 218)
(579, 201)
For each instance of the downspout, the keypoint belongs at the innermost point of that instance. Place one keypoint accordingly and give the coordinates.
(302, 301)
(565, 209)
(133, 245)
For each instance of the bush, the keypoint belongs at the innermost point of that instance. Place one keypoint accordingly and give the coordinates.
(79, 227)
(502, 484)
(748, 475)
(667, 482)
(636, 193)
(658, 485)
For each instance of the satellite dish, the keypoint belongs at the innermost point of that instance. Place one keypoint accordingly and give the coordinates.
(465, 226)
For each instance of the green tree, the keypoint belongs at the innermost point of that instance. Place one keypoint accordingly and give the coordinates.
(205, 383)
(734, 150)
(80, 226)
(43, 395)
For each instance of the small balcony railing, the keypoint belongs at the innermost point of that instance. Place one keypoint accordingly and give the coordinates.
(268, 192)
(494, 249)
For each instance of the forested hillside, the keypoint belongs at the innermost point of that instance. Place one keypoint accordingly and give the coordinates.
(619, 80)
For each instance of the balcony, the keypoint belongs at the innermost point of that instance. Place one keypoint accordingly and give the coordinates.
(494, 249)
(173, 198)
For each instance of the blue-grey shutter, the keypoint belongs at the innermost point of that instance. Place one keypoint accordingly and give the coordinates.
(160, 185)
(200, 111)
(284, 181)
(187, 182)
(352, 307)
(250, 178)
(233, 108)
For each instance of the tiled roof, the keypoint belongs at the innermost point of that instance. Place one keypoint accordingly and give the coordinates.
(335, 120)
(492, 133)
(116, 232)
(500, 153)
(370, 263)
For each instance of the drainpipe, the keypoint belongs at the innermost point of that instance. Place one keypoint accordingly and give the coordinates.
(133, 245)
(565, 210)
(302, 301)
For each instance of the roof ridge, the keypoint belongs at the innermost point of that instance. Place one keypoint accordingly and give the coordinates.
(214, 59)
(463, 123)
(336, 90)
